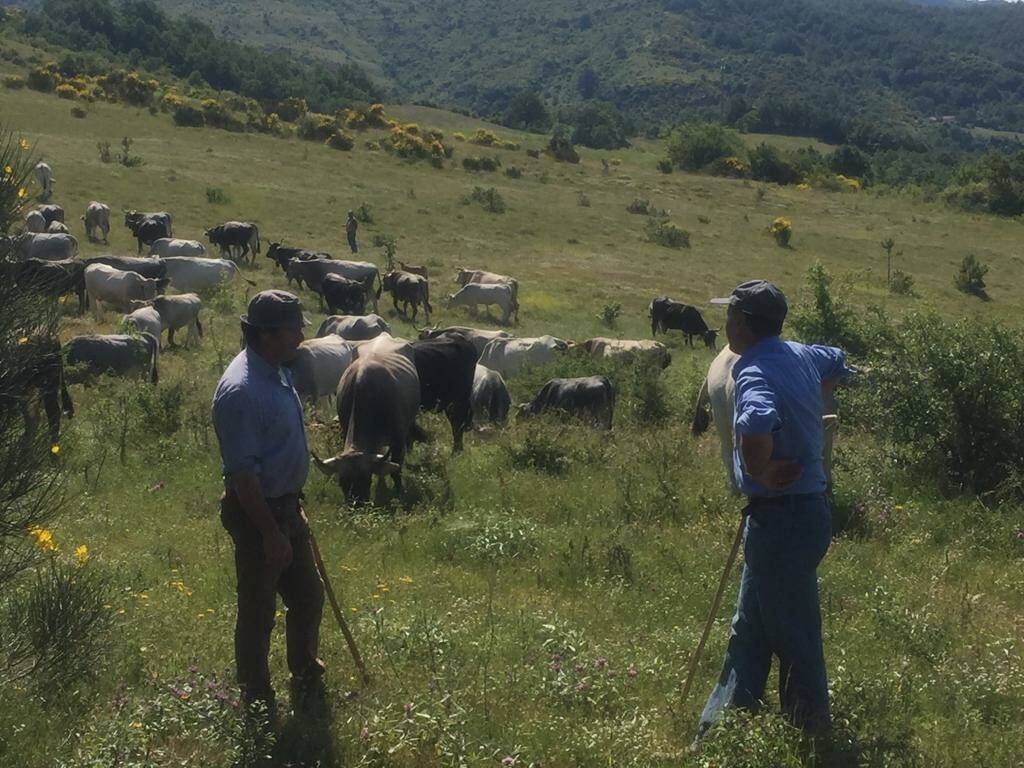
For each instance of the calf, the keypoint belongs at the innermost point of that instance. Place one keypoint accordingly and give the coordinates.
(51, 213)
(414, 269)
(236, 240)
(669, 315)
(490, 400)
(44, 177)
(589, 397)
(467, 276)
(446, 368)
(144, 320)
(343, 296)
(58, 228)
(149, 230)
(97, 217)
(121, 355)
(408, 289)
(176, 312)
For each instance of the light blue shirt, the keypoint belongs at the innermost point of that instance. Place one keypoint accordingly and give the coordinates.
(258, 419)
(778, 391)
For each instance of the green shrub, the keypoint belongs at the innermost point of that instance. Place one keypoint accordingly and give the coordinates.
(821, 318)
(561, 149)
(526, 112)
(901, 283)
(970, 278)
(597, 124)
(341, 140)
(539, 451)
(609, 314)
(767, 163)
(667, 234)
(489, 164)
(44, 78)
(513, 172)
(216, 196)
(665, 166)
(313, 126)
(693, 146)
(489, 198)
(364, 214)
(582, 200)
(14, 82)
(639, 206)
(189, 116)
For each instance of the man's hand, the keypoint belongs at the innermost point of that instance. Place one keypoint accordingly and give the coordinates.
(780, 474)
(277, 549)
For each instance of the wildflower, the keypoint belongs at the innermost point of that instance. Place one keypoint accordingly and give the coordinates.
(632, 671)
(601, 662)
(580, 687)
(81, 554)
(406, 580)
(120, 611)
(8, 170)
(54, 449)
(1020, 534)
(408, 708)
(375, 596)
(199, 615)
(508, 760)
(21, 193)
(44, 538)
(23, 144)
(23, 341)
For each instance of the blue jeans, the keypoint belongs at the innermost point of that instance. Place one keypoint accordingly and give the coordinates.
(777, 613)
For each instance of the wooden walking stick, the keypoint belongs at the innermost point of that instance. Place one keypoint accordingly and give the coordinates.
(364, 677)
(695, 658)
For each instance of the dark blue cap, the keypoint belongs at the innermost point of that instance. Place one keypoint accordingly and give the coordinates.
(274, 309)
(759, 298)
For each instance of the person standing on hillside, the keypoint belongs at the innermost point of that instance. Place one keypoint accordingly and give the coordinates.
(258, 419)
(350, 230)
(777, 462)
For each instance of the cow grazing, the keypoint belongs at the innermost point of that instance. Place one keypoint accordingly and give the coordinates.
(35, 222)
(590, 397)
(49, 246)
(154, 269)
(343, 296)
(414, 269)
(176, 312)
(133, 217)
(479, 338)
(651, 354)
(192, 275)
(446, 368)
(58, 228)
(318, 366)
(378, 398)
(147, 230)
(716, 402)
(282, 255)
(509, 356)
(409, 289)
(354, 327)
(236, 240)
(173, 246)
(118, 354)
(40, 382)
(312, 272)
(144, 320)
(54, 278)
(96, 217)
(45, 180)
(118, 288)
(490, 400)
(474, 295)
(669, 315)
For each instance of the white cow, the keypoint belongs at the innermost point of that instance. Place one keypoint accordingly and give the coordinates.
(354, 327)
(509, 356)
(173, 246)
(145, 320)
(44, 177)
(719, 392)
(192, 275)
(180, 311)
(318, 366)
(490, 399)
(58, 228)
(49, 246)
(645, 351)
(118, 288)
(479, 294)
(35, 222)
(466, 276)
(97, 216)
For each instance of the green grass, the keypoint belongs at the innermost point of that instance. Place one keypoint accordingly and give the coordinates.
(610, 549)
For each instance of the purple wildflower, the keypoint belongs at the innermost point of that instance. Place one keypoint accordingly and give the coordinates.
(601, 662)
(632, 672)
(580, 687)
(508, 760)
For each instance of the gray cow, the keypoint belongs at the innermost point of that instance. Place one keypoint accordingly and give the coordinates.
(97, 217)
(117, 354)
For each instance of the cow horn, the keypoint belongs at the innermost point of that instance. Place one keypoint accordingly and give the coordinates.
(329, 467)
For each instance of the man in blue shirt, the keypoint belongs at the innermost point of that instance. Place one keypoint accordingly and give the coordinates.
(258, 419)
(777, 461)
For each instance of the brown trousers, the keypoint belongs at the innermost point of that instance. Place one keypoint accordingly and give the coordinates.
(299, 585)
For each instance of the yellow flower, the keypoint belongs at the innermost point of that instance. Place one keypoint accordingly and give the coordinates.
(354, 610)
(54, 449)
(23, 144)
(8, 171)
(375, 596)
(21, 192)
(81, 554)
(23, 341)
(406, 580)
(44, 539)
(199, 615)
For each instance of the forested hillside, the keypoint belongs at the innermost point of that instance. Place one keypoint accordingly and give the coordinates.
(665, 59)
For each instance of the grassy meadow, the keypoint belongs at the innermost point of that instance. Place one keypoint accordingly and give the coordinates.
(536, 598)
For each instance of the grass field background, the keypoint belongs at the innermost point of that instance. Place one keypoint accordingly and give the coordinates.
(540, 614)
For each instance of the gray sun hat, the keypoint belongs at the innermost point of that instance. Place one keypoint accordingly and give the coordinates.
(274, 309)
(759, 298)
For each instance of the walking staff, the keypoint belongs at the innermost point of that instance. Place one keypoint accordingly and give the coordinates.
(258, 419)
(777, 463)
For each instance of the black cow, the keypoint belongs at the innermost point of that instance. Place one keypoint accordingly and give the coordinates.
(154, 269)
(446, 367)
(231, 235)
(148, 229)
(343, 296)
(669, 315)
(590, 397)
(283, 254)
(133, 217)
(54, 278)
(409, 289)
(41, 381)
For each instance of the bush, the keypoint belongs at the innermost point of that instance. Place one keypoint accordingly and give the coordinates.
(216, 196)
(66, 91)
(78, 112)
(487, 138)
(364, 215)
(598, 125)
(820, 318)
(665, 166)
(540, 452)
(513, 172)
(103, 147)
(694, 146)
(582, 200)
(313, 126)
(341, 140)
(782, 230)
(639, 206)
(188, 116)
(14, 82)
(849, 161)
(562, 150)
(490, 199)
(44, 78)
(901, 283)
(667, 234)
(526, 112)
(609, 314)
(481, 163)
(970, 278)
(768, 164)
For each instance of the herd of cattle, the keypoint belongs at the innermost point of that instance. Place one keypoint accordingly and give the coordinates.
(380, 381)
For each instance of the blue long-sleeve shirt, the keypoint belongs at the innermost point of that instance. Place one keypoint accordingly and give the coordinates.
(258, 419)
(778, 391)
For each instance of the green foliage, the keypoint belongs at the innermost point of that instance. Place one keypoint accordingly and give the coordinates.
(667, 234)
(341, 140)
(767, 163)
(216, 196)
(526, 111)
(821, 318)
(540, 451)
(665, 166)
(364, 214)
(14, 82)
(970, 278)
(482, 163)
(609, 314)
(125, 156)
(597, 124)
(514, 172)
(995, 184)
(693, 146)
(849, 161)
(561, 149)
(188, 116)
(901, 284)
(489, 198)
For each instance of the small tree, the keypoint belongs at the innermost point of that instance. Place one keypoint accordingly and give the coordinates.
(695, 145)
(971, 277)
(887, 245)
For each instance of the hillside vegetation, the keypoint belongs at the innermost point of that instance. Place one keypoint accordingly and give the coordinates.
(535, 599)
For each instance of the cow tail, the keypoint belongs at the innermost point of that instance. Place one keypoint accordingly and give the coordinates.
(199, 326)
(701, 412)
(426, 296)
(380, 283)
(67, 407)
(256, 232)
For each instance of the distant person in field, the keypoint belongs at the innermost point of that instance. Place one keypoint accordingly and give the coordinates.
(258, 419)
(351, 226)
(777, 463)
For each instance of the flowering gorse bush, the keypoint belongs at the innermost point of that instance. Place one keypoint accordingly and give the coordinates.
(781, 230)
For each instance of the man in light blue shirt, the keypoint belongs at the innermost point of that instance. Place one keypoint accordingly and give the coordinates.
(777, 461)
(258, 419)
